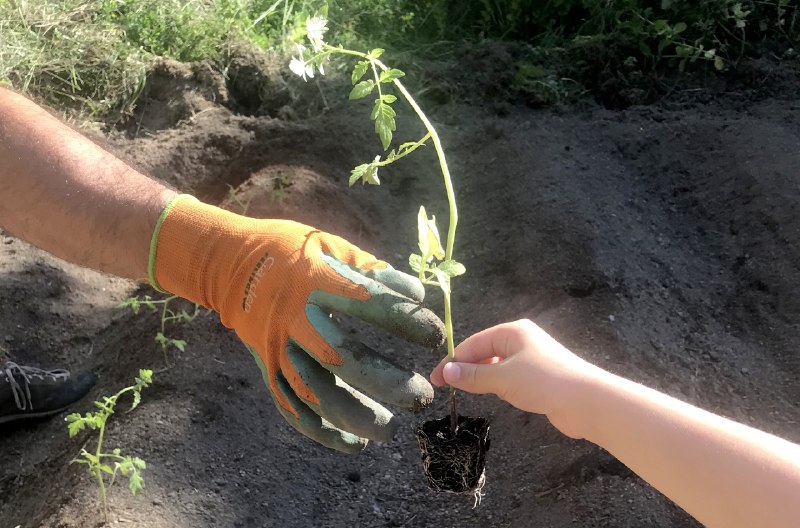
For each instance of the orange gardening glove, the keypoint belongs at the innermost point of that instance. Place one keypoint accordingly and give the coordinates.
(275, 283)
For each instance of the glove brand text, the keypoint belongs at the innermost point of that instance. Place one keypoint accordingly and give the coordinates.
(262, 266)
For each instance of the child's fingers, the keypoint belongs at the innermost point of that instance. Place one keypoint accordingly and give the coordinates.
(497, 342)
(437, 378)
(474, 378)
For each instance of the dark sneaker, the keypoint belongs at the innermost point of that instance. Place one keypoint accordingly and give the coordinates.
(29, 392)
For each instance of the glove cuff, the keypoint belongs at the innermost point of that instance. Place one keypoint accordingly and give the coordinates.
(151, 261)
(196, 251)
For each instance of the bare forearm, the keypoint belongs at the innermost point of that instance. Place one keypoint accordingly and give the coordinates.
(722, 472)
(68, 196)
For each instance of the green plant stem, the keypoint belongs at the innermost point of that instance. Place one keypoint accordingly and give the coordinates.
(99, 476)
(99, 473)
(164, 312)
(406, 152)
(448, 324)
(437, 143)
(451, 199)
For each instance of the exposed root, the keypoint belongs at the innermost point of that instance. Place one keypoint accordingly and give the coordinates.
(455, 463)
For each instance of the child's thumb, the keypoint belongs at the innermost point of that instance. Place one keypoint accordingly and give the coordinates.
(470, 377)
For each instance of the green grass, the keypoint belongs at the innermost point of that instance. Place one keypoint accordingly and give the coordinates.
(93, 55)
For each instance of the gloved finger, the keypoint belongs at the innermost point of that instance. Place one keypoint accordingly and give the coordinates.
(340, 404)
(396, 280)
(369, 371)
(385, 308)
(307, 421)
(314, 426)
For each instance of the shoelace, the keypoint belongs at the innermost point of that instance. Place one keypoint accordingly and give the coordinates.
(21, 389)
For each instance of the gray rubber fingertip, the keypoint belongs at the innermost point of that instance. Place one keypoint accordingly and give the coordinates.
(402, 283)
(341, 405)
(313, 426)
(422, 391)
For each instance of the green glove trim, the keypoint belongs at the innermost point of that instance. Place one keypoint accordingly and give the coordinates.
(151, 261)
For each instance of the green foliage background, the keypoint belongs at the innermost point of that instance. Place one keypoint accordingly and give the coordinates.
(94, 54)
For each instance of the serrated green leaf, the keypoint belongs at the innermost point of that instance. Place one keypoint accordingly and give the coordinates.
(415, 262)
(366, 172)
(388, 98)
(161, 338)
(359, 70)
(362, 89)
(126, 466)
(145, 377)
(358, 173)
(139, 463)
(388, 76)
(116, 451)
(385, 125)
(180, 344)
(135, 483)
(451, 268)
(132, 303)
(105, 468)
(719, 63)
(76, 424)
(679, 28)
(375, 53)
(137, 399)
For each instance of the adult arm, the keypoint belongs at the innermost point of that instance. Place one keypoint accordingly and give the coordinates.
(70, 197)
(724, 473)
(273, 281)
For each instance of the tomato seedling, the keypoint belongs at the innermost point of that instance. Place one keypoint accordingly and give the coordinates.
(434, 264)
(97, 462)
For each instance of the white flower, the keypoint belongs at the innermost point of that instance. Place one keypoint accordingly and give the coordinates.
(316, 28)
(300, 66)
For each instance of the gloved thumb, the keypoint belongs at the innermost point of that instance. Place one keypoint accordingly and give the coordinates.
(471, 377)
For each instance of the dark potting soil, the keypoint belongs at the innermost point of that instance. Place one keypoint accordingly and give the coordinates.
(454, 462)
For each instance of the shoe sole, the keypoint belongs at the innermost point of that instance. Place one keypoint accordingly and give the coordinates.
(26, 416)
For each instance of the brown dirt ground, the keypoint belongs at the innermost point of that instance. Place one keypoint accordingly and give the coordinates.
(661, 242)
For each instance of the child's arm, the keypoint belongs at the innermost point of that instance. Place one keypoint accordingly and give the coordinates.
(723, 473)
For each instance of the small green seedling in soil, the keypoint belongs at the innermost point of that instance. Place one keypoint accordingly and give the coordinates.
(234, 198)
(98, 462)
(167, 316)
(460, 457)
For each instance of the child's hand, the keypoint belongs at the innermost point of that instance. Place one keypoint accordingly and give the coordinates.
(523, 365)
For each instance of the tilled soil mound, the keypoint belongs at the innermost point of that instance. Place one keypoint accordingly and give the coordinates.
(660, 242)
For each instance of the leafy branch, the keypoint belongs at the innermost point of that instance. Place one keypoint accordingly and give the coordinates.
(168, 315)
(97, 462)
(435, 264)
